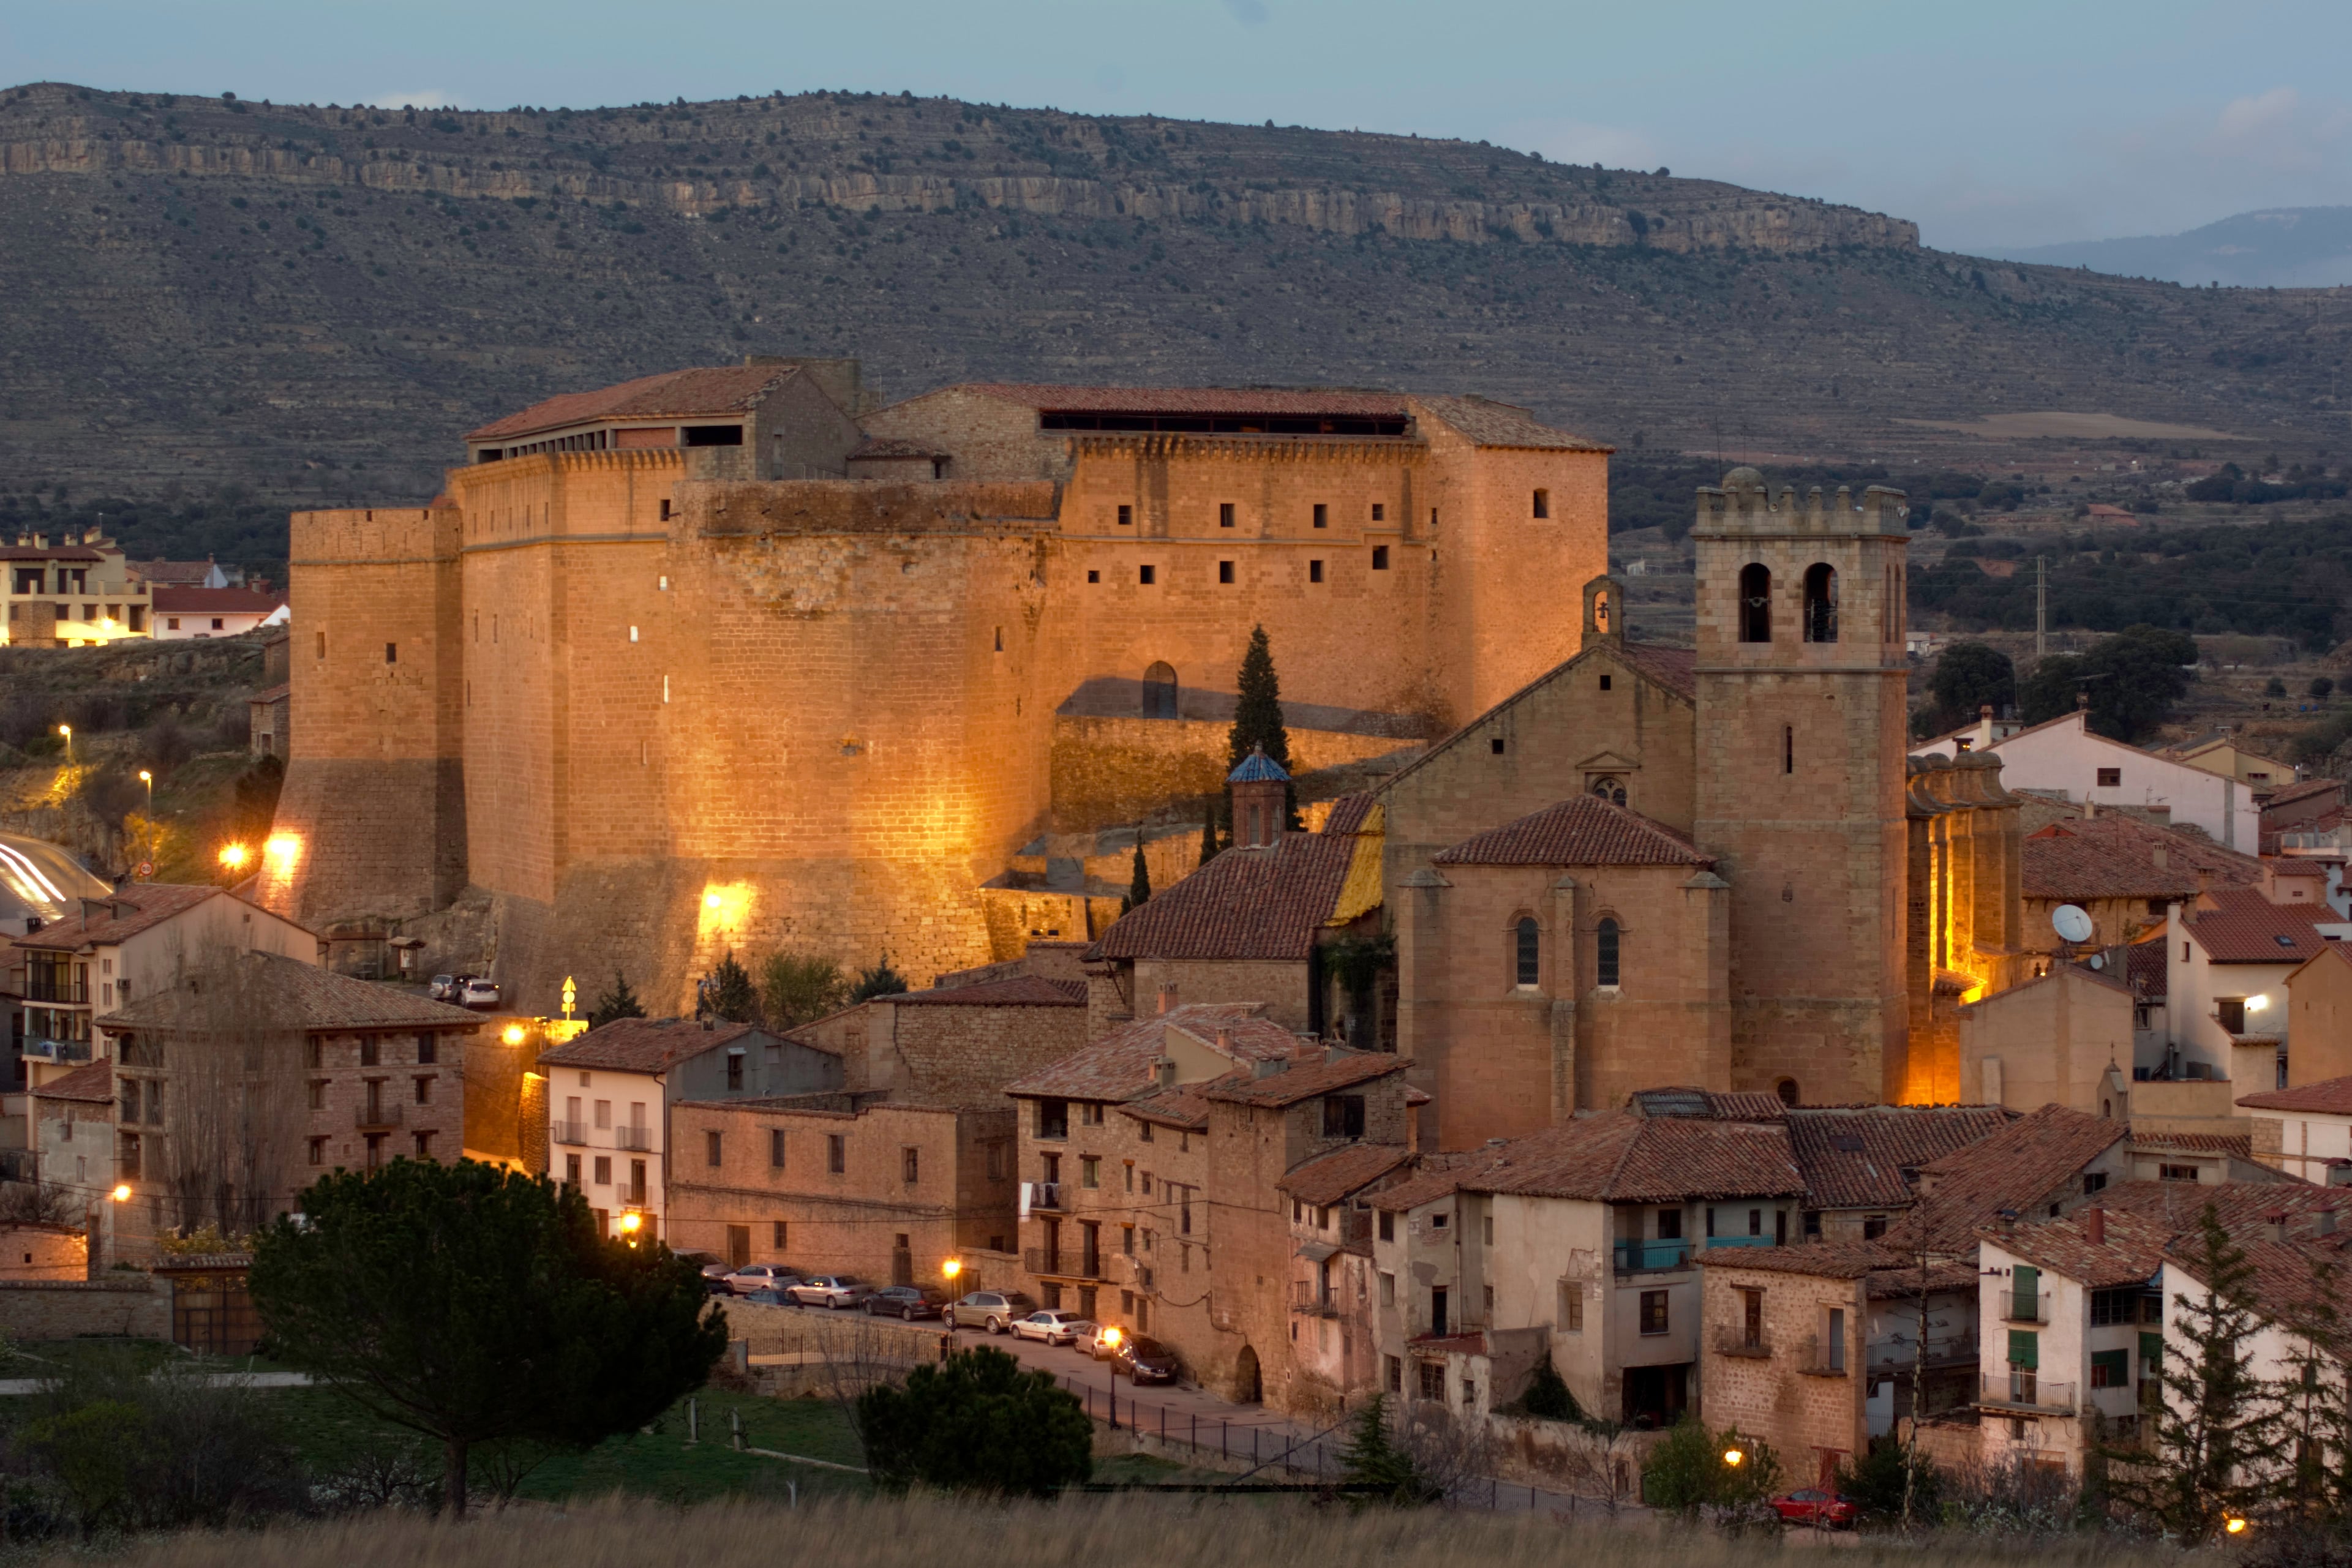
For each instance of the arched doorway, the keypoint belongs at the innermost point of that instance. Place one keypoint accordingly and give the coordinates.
(1246, 1386)
(1159, 692)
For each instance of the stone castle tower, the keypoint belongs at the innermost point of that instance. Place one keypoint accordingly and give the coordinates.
(1800, 786)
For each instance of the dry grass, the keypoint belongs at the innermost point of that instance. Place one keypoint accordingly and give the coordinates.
(1130, 1533)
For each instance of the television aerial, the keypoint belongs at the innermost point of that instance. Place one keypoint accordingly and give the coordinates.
(2071, 923)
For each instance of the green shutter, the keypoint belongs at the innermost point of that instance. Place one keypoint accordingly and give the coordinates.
(2151, 1354)
(2025, 1349)
(2114, 1364)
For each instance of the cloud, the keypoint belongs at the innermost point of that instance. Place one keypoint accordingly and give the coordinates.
(429, 98)
(1249, 13)
(2278, 131)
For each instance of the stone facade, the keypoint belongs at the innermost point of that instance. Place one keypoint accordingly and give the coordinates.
(1782, 1361)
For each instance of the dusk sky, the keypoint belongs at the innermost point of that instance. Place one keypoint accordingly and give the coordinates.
(1997, 124)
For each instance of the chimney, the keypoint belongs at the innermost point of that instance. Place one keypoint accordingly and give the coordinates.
(1224, 1042)
(1984, 713)
(2007, 1217)
(2095, 1227)
(2274, 1225)
(1267, 1068)
(2324, 1222)
(1167, 996)
(1163, 1071)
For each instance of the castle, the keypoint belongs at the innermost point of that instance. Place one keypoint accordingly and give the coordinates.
(732, 658)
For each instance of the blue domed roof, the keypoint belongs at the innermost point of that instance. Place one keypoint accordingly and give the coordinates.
(1257, 766)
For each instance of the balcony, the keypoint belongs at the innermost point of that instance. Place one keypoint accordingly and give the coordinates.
(2022, 1390)
(1735, 1339)
(2024, 1307)
(1045, 1195)
(641, 1139)
(56, 1050)
(376, 1118)
(1061, 1265)
(1314, 1301)
(573, 1132)
(629, 1197)
(1646, 1257)
(41, 988)
(1816, 1359)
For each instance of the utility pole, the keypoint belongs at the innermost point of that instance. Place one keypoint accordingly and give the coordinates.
(2041, 606)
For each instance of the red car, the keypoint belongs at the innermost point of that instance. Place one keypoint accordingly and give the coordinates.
(1813, 1506)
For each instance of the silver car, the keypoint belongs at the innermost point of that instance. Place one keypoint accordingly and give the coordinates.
(753, 1277)
(480, 993)
(992, 1310)
(1053, 1326)
(834, 1290)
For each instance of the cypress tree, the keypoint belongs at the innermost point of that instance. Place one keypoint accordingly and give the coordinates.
(1139, 880)
(1208, 845)
(620, 1002)
(733, 997)
(1257, 721)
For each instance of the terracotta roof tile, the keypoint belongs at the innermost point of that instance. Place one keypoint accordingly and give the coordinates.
(1708, 1104)
(1308, 1080)
(1677, 669)
(2244, 927)
(2285, 794)
(2179, 1205)
(2130, 1255)
(216, 601)
(2015, 1168)
(1348, 814)
(1623, 1158)
(2238, 1144)
(642, 1045)
(2144, 963)
(1332, 1177)
(1858, 1160)
(1436, 1175)
(1489, 424)
(139, 907)
(1245, 904)
(2330, 1096)
(1582, 829)
(177, 574)
(1118, 1066)
(2117, 857)
(92, 1083)
(1017, 991)
(1821, 1259)
(276, 694)
(1180, 1107)
(721, 389)
(1240, 401)
(305, 996)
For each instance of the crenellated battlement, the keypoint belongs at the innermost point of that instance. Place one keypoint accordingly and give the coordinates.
(1746, 503)
(375, 536)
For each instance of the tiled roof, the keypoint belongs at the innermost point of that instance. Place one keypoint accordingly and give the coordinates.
(2180, 1206)
(53, 552)
(1118, 1065)
(1245, 904)
(1329, 1178)
(139, 907)
(1857, 1159)
(1282, 401)
(722, 388)
(1708, 1104)
(2130, 1255)
(2118, 856)
(94, 1083)
(2238, 1144)
(2329, 1096)
(1582, 829)
(1677, 669)
(2298, 866)
(2015, 1168)
(2244, 927)
(1623, 1158)
(641, 1045)
(2144, 962)
(276, 694)
(183, 573)
(1436, 1175)
(1256, 768)
(305, 996)
(216, 601)
(1821, 1259)
(1349, 814)
(1308, 1080)
(2285, 794)
(1490, 423)
(1018, 991)
(1180, 1107)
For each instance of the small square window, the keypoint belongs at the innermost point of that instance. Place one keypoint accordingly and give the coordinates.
(1322, 515)
(1380, 513)
(1314, 571)
(1224, 571)
(1127, 516)
(1495, 746)
(1543, 503)
(1144, 575)
(1094, 576)
(1604, 683)
(1380, 558)
(2110, 778)
(391, 650)
(1225, 514)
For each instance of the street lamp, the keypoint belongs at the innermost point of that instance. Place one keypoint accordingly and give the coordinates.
(121, 1193)
(1733, 1459)
(66, 730)
(233, 856)
(2234, 1525)
(149, 779)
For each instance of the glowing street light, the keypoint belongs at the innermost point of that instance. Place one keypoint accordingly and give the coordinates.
(121, 1193)
(149, 779)
(233, 856)
(1733, 1459)
(951, 1269)
(66, 730)
(2234, 1525)
(513, 1035)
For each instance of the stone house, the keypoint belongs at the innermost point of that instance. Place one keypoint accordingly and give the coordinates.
(1334, 1348)
(960, 1042)
(1860, 1164)
(857, 1184)
(610, 1093)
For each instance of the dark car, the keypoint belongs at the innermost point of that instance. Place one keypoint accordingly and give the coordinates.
(1143, 1359)
(714, 1271)
(1812, 1505)
(908, 1301)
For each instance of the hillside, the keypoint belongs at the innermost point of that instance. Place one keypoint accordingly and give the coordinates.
(311, 302)
(2279, 248)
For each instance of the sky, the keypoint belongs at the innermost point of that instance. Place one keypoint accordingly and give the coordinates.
(1994, 125)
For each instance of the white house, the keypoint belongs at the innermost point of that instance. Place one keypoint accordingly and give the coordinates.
(2062, 757)
(181, 613)
(2228, 954)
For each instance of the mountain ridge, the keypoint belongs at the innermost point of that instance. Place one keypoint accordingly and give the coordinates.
(2275, 247)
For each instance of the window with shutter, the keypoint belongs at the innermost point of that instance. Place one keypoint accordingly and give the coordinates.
(2025, 1292)
(2110, 1369)
(2025, 1349)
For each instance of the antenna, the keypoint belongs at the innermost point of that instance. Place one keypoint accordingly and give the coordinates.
(2071, 923)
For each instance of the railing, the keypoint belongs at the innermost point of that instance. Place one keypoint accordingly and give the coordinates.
(1734, 1339)
(40, 988)
(574, 1133)
(2022, 1390)
(1315, 1300)
(46, 1050)
(629, 1197)
(376, 1116)
(1714, 1241)
(641, 1139)
(1637, 1257)
(1045, 1195)
(1815, 1359)
(2021, 1307)
(1072, 1265)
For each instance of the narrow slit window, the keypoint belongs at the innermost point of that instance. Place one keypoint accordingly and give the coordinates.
(1543, 503)
(1314, 571)
(1225, 514)
(1322, 515)
(1821, 603)
(1788, 748)
(1606, 948)
(1528, 943)
(392, 653)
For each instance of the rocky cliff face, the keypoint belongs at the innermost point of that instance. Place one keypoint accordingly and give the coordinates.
(312, 301)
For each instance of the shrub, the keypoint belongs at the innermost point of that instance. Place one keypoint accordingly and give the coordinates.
(2321, 686)
(977, 1422)
(1688, 1472)
(798, 988)
(1547, 1396)
(1876, 1482)
(1373, 1457)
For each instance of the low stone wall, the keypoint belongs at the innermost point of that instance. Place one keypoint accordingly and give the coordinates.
(138, 1305)
(1563, 1457)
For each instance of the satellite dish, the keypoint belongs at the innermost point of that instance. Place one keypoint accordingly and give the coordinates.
(2098, 960)
(2071, 923)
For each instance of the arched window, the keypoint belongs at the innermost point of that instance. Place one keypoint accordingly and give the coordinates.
(1159, 692)
(1786, 1089)
(1529, 967)
(1821, 602)
(1605, 951)
(1609, 789)
(1755, 603)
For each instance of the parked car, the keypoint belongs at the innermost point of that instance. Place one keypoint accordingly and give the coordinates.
(1053, 1326)
(480, 993)
(769, 1299)
(753, 1277)
(444, 988)
(908, 1301)
(1810, 1505)
(835, 1291)
(1144, 1360)
(714, 1270)
(992, 1310)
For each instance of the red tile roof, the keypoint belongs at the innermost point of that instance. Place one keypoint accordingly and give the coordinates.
(1018, 991)
(2016, 1167)
(54, 552)
(672, 394)
(1623, 1158)
(1245, 904)
(2329, 1096)
(1306, 1079)
(1820, 1259)
(642, 1045)
(1281, 402)
(181, 573)
(2180, 1206)
(1436, 1175)
(1341, 1174)
(1859, 1158)
(1348, 813)
(1118, 1066)
(301, 996)
(216, 601)
(1677, 669)
(2130, 1255)
(276, 694)
(1708, 1104)
(139, 907)
(2144, 963)
(2238, 1144)
(94, 1083)
(2122, 857)
(2244, 927)
(1582, 829)
(1503, 424)
(2285, 794)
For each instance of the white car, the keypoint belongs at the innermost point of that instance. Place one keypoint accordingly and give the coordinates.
(753, 1277)
(1053, 1326)
(834, 1290)
(480, 993)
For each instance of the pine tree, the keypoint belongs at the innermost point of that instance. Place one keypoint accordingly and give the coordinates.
(1208, 845)
(1139, 879)
(2218, 1439)
(620, 1002)
(1257, 720)
(881, 981)
(2315, 1477)
(733, 997)
(1373, 1457)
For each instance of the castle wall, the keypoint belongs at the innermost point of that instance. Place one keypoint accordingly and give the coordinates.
(1110, 771)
